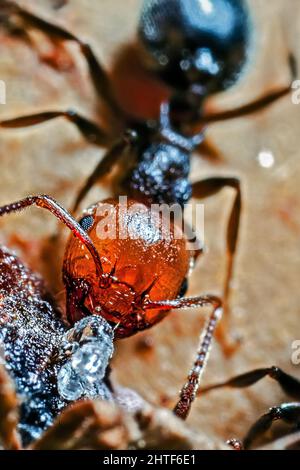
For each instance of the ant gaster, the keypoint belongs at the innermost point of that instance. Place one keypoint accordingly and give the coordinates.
(196, 48)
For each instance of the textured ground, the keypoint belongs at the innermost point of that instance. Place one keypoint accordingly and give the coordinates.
(54, 159)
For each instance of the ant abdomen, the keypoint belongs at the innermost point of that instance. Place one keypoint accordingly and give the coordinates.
(196, 42)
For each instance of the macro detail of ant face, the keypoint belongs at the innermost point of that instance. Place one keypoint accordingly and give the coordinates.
(141, 260)
(201, 42)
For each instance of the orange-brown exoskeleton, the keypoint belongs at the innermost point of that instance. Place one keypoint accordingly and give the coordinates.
(129, 269)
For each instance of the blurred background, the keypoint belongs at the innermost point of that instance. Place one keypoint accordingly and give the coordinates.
(263, 150)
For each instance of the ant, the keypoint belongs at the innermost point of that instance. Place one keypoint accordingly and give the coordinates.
(131, 282)
(286, 412)
(195, 48)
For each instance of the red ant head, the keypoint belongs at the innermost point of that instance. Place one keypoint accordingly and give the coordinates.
(143, 256)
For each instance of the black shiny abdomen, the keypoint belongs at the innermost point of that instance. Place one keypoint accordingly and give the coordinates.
(196, 41)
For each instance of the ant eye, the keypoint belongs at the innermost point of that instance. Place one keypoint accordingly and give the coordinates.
(86, 222)
(183, 289)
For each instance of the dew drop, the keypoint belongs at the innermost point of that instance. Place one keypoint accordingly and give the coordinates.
(68, 383)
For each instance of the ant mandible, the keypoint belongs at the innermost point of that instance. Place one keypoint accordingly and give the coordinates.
(195, 48)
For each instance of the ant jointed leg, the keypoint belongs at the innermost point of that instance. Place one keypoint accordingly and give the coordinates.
(97, 72)
(287, 412)
(206, 188)
(88, 129)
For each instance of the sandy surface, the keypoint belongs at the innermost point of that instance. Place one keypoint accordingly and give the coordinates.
(54, 159)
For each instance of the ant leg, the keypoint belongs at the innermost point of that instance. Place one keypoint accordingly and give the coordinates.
(105, 165)
(90, 131)
(245, 110)
(98, 75)
(287, 382)
(209, 187)
(48, 203)
(189, 390)
(257, 105)
(207, 150)
(287, 412)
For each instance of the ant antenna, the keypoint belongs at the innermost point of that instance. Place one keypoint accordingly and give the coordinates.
(48, 203)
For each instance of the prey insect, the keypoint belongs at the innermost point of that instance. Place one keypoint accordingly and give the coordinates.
(196, 52)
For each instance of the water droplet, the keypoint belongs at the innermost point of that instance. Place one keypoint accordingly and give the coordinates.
(90, 361)
(207, 6)
(68, 383)
(88, 348)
